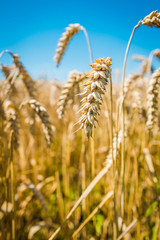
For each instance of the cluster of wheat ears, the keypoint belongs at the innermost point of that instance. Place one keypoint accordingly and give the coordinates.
(81, 160)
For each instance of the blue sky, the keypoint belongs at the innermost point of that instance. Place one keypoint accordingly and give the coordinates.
(32, 30)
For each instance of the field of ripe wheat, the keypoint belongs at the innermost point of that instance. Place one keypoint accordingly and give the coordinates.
(81, 160)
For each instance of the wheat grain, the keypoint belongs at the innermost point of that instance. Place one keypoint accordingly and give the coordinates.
(152, 104)
(94, 88)
(74, 79)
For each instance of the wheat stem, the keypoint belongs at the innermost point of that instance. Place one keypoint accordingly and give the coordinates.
(123, 120)
(100, 205)
(115, 226)
(88, 42)
(12, 184)
(93, 154)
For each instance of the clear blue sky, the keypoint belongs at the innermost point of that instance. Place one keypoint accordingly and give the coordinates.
(32, 30)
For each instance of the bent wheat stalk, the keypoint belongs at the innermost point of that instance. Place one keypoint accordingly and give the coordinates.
(71, 30)
(153, 19)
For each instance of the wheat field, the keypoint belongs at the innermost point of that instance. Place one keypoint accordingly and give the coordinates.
(81, 160)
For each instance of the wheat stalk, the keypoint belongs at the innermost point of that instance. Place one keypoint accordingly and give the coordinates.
(71, 30)
(94, 88)
(152, 103)
(99, 206)
(117, 140)
(74, 79)
(153, 19)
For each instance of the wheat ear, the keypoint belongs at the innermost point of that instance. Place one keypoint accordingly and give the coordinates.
(152, 103)
(11, 73)
(153, 53)
(43, 115)
(12, 122)
(137, 104)
(74, 79)
(153, 19)
(38, 194)
(71, 30)
(145, 63)
(94, 88)
(26, 78)
(128, 83)
(2, 112)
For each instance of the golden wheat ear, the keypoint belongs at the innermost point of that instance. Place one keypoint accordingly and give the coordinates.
(73, 81)
(144, 63)
(94, 88)
(11, 74)
(12, 121)
(26, 78)
(152, 104)
(43, 115)
(71, 30)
